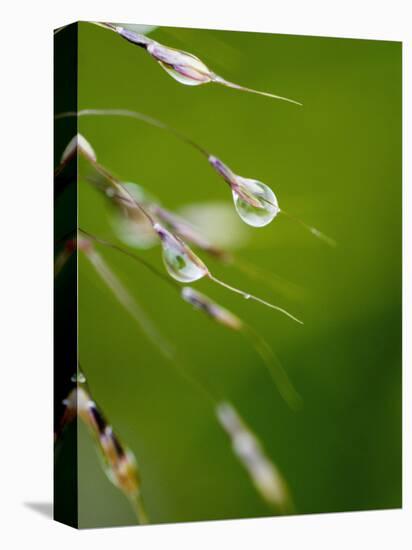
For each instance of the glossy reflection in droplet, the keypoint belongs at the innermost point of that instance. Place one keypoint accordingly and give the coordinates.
(256, 217)
(181, 263)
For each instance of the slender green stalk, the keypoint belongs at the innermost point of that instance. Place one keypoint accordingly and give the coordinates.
(140, 510)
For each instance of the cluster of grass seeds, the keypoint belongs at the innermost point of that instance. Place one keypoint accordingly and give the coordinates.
(152, 224)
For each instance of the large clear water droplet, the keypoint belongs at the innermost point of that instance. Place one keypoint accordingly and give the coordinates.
(181, 263)
(182, 66)
(257, 217)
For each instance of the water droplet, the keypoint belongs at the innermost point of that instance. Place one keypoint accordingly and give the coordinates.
(181, 263)
(247, 296)
(182, 66)
(257, 217)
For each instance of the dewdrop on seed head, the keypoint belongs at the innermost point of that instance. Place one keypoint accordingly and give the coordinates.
(181, 263)
(185, 67)
(182, 66)
(254, 201)
(256, 217)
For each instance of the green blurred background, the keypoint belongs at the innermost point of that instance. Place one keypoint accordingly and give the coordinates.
(335, 163)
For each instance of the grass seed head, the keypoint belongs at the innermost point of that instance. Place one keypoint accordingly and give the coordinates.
(78, 143)
(254, 201)
(185, 67)
(248, 449)
(211, 308)
(181, 263)
(182, 66)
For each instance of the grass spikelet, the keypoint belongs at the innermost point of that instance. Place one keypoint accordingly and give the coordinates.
(184, 67)
(262, 471)
(118, 461)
